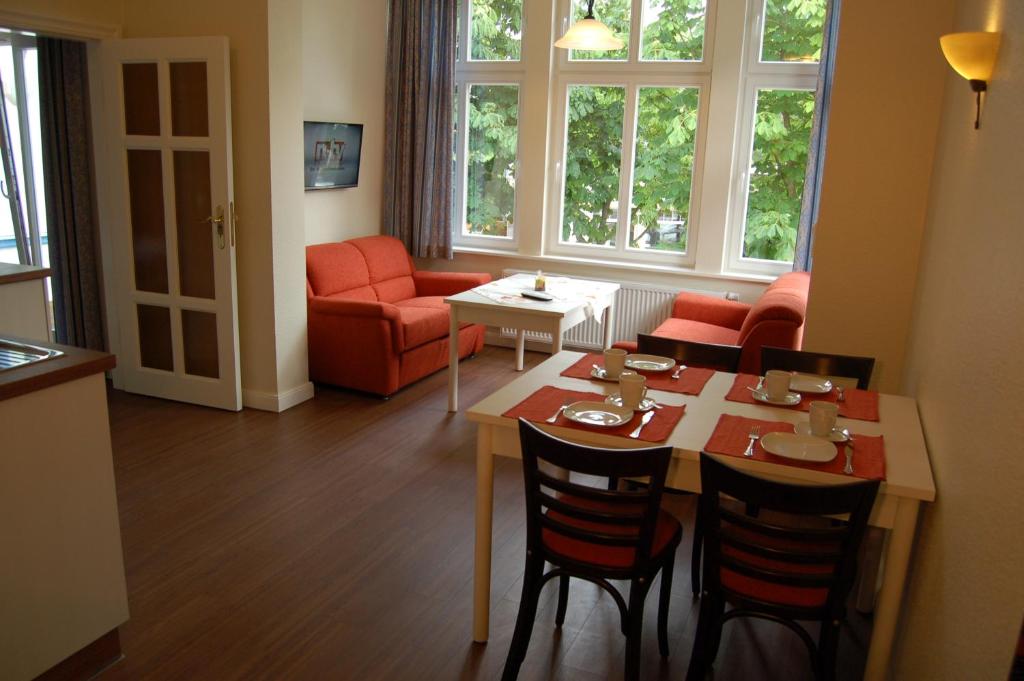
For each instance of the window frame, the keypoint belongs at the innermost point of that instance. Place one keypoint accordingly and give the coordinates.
(470, 72)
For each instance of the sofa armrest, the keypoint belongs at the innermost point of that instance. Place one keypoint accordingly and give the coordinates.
(353, 308)
(710, 310)
(447, 283)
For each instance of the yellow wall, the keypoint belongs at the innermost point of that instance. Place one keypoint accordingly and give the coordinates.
(343, 61)
(886, 102)
(965, 365)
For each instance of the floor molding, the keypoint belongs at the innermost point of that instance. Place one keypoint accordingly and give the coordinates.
(277, 402)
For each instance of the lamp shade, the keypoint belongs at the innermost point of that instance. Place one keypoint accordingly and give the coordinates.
(972, 55)
(589, 34)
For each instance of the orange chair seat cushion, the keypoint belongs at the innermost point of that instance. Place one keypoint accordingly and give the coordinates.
(666, 530)
(424, 320)
(771, 592)
(701, 332)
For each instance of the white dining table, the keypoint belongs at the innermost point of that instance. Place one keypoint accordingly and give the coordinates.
(908, 481)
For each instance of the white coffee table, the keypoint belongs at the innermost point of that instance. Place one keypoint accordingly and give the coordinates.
(499, 304)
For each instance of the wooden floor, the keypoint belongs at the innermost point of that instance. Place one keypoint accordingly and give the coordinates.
(335, 541)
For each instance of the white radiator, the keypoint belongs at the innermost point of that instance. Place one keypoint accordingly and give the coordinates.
(639, 308)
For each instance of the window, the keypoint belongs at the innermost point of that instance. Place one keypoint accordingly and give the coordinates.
(488, 79)
(687, 147)
(20, 80)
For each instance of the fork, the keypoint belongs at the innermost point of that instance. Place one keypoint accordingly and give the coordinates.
(678, 372)
(755, 435)
(554, 417)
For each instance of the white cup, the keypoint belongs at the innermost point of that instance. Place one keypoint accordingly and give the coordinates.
(823, 418)
(614, 361)
(633, 388)
(776, 384)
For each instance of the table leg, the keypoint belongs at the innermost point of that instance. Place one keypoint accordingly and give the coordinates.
(484, 512)
(520, 348)
(609, 322)
(887, 611)
(556, 337)
(453, 359)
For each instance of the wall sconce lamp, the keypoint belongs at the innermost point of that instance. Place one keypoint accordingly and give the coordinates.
(589, 34)
(973, 56)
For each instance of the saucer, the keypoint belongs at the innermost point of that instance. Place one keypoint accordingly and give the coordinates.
(598, 414)
(649, 363)
(788, 401)
(837, 435)
(809, 383)
(799, 447)
(645, 405)
(601, 374)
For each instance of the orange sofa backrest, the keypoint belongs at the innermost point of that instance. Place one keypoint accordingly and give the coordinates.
(784, 302)
(373, 268)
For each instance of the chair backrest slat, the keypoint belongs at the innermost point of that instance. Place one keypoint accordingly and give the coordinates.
(781, 551)
(600, 517)
(819, 363)
(692, 353)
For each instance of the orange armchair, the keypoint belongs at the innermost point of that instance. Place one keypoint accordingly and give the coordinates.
(776, 319)
(375, 323)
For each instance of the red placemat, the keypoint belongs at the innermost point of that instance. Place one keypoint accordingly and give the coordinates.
(539, 406)
(690, 382)
(859, 404)
(731, 437)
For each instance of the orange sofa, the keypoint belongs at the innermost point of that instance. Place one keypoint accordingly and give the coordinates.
(375, 323)
(776, 319)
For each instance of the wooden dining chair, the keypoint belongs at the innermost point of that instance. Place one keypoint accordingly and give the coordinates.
(594, 534)
(777, 566)
(820, 364)
(691, 353)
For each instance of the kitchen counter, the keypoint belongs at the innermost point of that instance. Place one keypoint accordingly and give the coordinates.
(62, 582)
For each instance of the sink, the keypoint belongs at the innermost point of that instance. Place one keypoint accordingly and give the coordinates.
(14, 355)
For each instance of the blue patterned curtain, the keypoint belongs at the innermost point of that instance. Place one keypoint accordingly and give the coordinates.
(418, 126)
(816, 146)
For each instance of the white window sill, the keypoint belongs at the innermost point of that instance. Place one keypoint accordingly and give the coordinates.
(548, 260)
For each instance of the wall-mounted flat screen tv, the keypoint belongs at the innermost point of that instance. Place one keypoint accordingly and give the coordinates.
(332, 154)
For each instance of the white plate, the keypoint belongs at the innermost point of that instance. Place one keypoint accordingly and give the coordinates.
(809, 383)
(788, 401)
(598, 414)
(646, 405)
(799, 447)
(837, 435)
(601, 374)
(649, 362)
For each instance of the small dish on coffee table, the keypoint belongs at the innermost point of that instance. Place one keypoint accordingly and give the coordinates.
(837, 435)
(600, 414)
(646, 404)
(649, 363)
(788, 400)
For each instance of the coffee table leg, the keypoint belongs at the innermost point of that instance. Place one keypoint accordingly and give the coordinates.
(453, 359)
(520, 348)
(609, 320)
(484, 513)
(556, 337)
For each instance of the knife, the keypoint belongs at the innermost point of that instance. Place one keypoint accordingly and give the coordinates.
(643, 422)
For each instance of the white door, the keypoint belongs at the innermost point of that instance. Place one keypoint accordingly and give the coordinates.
(169, 130)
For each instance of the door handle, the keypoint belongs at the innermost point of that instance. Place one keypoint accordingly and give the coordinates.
(217, 220)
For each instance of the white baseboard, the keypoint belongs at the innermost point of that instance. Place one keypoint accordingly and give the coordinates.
(277, 402)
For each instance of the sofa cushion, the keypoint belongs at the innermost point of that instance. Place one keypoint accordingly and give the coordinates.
(386, 257)
(430, 303)
(785, 300)
(687, 329)
(364, 293)
(336, 267)
(421, 325)
(395, 290)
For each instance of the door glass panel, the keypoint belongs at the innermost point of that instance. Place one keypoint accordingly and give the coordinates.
(195, 234)
(593, 153)
(491, 160)
(497, 30)
(199, 336)
(188, 99)
(615, 15)
(793, 31)
(782, 132)
(146, 205)
(673, 30)
(155, 337)
(141, 99)
(666, 134)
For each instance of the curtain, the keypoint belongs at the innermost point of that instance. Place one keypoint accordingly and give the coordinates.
(418, 126)
(816, 145)
(70, 212)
